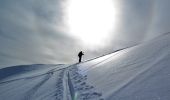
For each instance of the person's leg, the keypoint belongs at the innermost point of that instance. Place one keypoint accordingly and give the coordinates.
(80, 59)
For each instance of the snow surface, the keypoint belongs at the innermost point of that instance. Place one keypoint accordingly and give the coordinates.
(141, 72)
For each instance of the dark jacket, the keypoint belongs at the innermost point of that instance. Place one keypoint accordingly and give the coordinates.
(80, 54)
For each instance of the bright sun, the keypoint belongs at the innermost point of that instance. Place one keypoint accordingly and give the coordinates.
(91, 21)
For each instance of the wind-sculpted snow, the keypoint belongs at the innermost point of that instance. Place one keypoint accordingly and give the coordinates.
(137, 73)
(141, 72)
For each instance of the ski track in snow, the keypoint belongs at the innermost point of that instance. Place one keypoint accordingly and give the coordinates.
(70, 85)
(32, 91)
(79, 89)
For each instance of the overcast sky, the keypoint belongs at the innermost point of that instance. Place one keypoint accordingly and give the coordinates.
(34, 31)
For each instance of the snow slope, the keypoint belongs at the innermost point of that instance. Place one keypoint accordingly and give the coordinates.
(141, 72)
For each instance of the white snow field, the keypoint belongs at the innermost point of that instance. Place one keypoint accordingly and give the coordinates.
(141, 72)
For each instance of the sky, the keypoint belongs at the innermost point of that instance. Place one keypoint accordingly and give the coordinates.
(54, 31)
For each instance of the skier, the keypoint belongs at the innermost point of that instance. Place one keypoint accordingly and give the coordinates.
(80, 55)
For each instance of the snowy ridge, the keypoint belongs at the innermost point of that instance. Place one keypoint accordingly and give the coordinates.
(141, 72)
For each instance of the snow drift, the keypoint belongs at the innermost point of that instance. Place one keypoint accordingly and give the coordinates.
(141, 72)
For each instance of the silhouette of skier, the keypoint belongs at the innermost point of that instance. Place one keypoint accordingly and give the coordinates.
(80, 54)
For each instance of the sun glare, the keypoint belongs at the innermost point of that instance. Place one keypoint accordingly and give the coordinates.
(91, 21)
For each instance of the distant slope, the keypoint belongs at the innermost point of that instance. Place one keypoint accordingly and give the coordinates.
(141, 72)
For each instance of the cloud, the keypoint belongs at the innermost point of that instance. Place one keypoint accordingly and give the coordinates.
(31, 31)
(140, 20)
